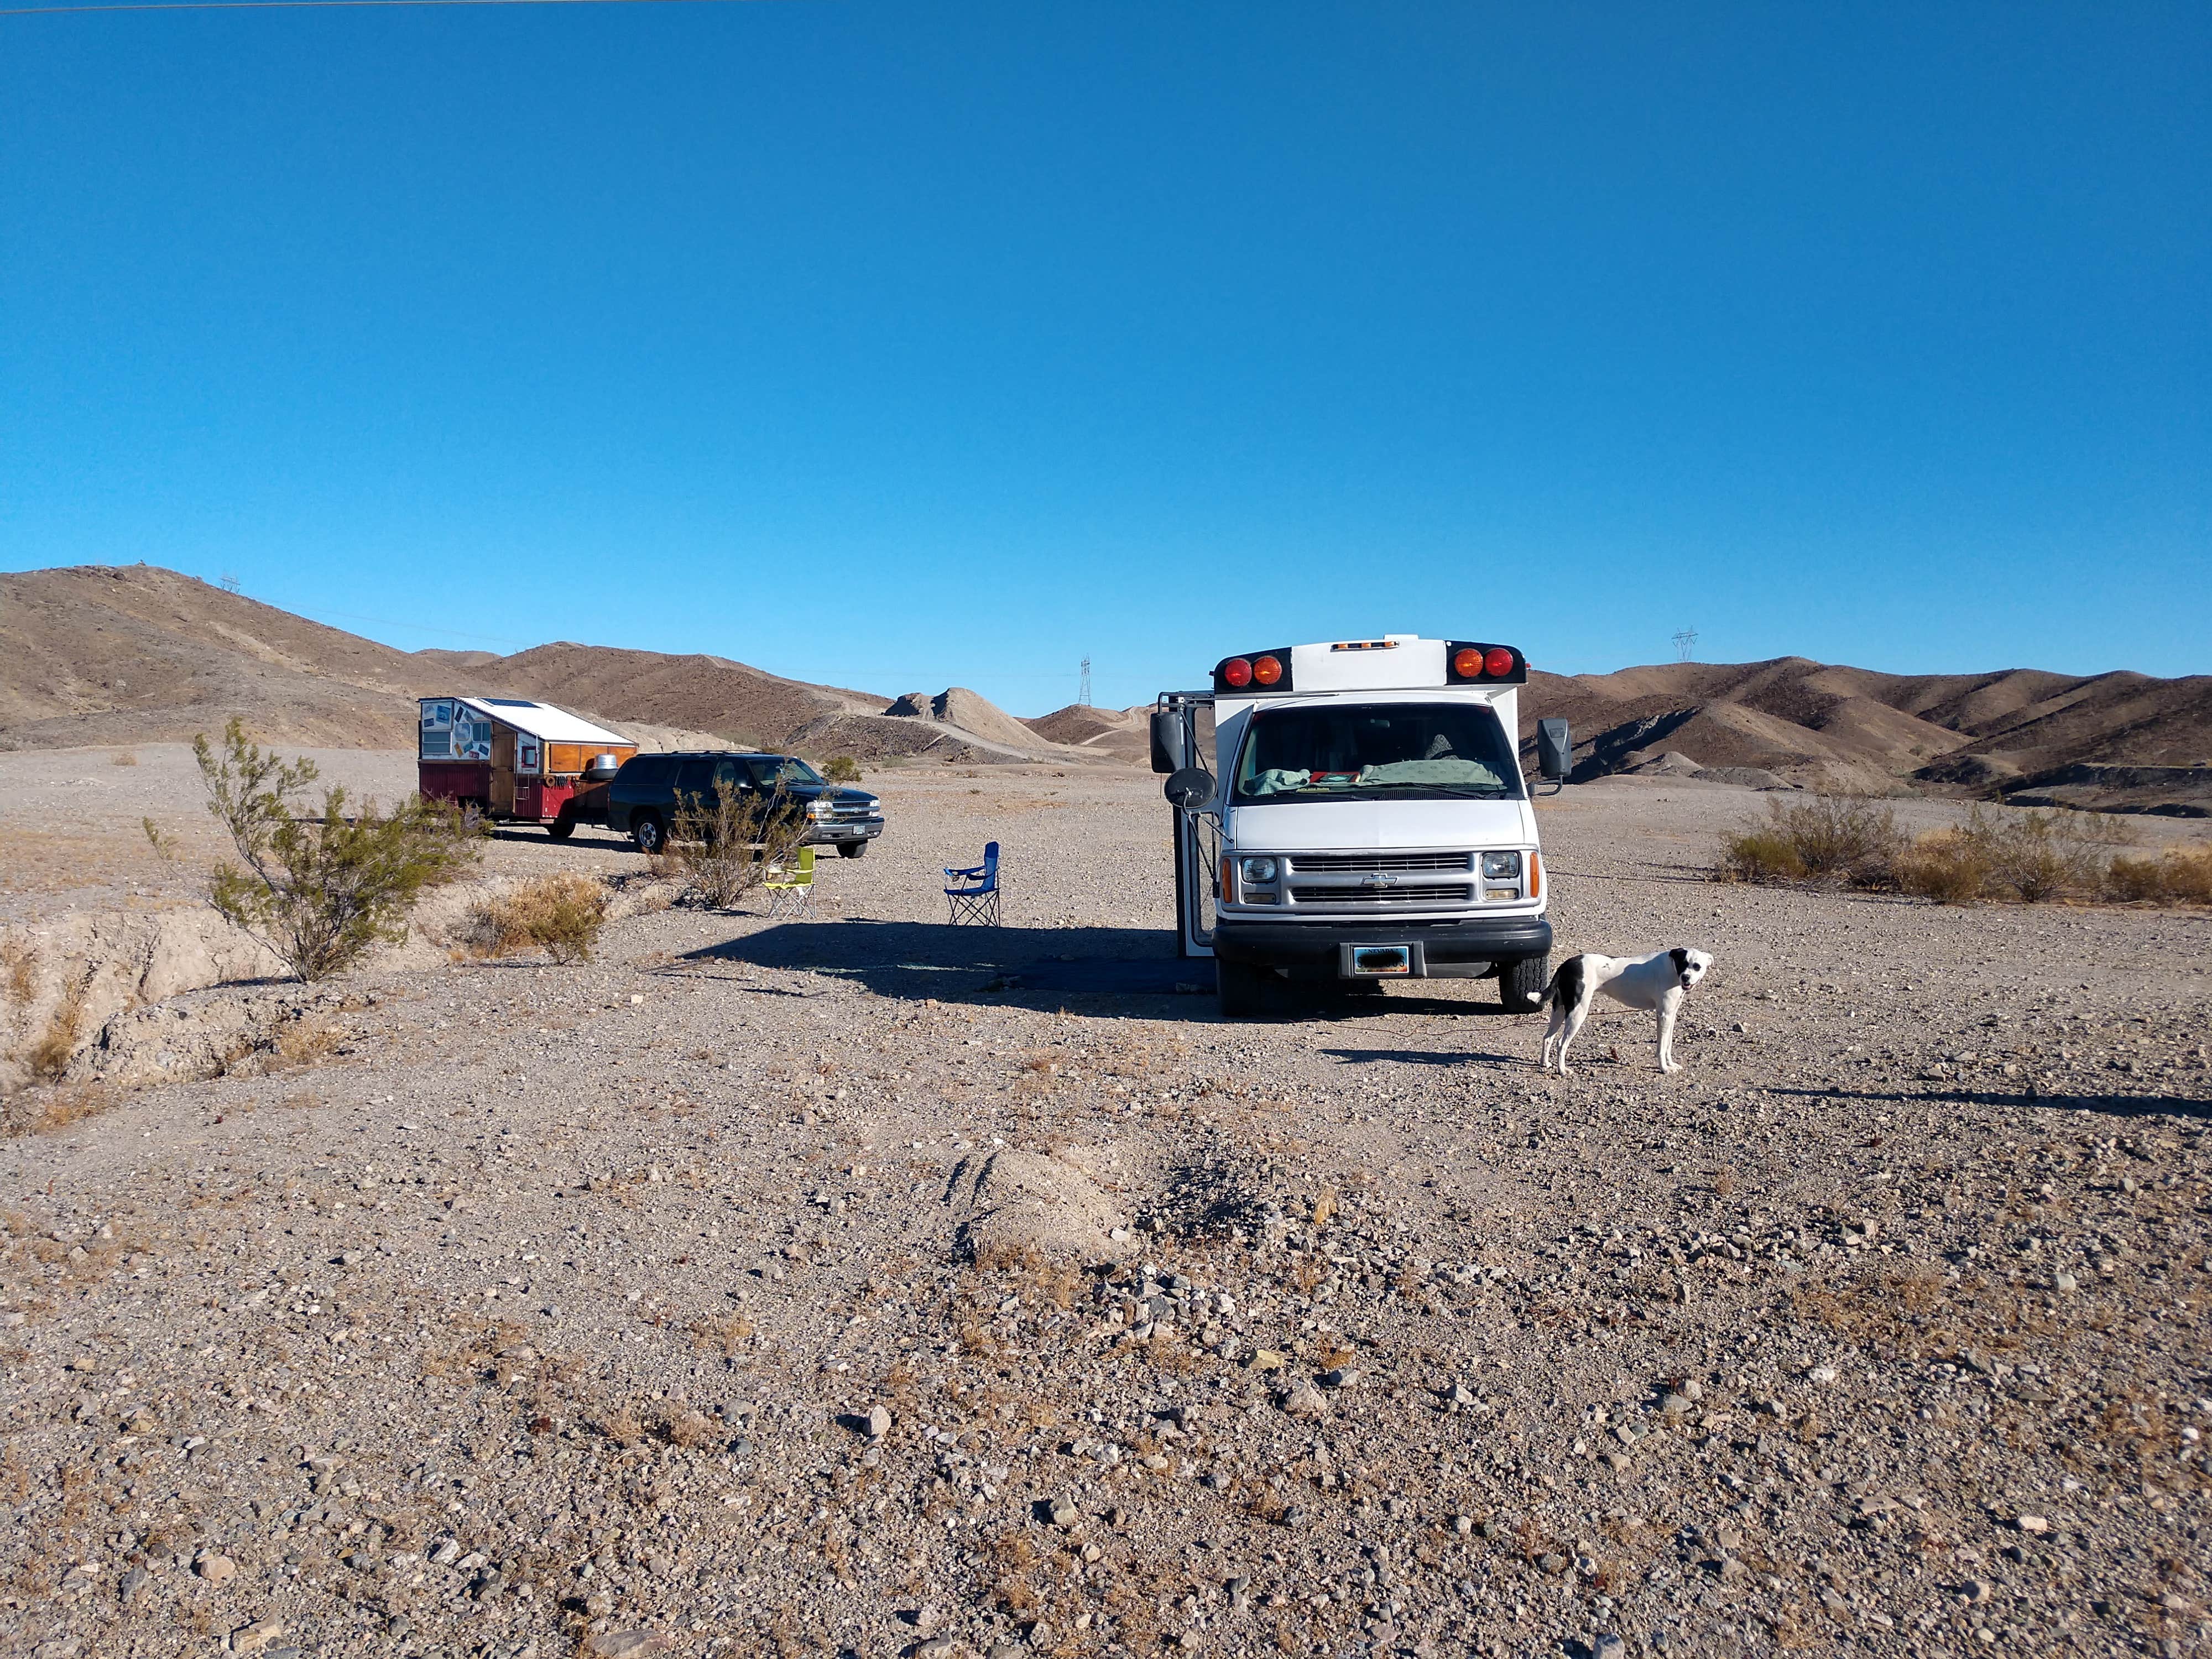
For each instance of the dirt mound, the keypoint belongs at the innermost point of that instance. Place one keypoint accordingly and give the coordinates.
(1124, 733)
(957, 706)
(1017, 1199)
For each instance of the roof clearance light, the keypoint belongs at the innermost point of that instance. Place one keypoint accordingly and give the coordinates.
(1266, 671)
(1468, 664)
(1238, 672)
(1499, 664)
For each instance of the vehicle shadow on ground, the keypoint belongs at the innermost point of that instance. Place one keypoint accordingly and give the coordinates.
(1133, 970)
(2111, 1105)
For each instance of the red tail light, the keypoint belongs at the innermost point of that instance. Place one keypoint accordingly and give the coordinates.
(1266, 671)
(1468, 664)
(1498, 663)
(1238, 671)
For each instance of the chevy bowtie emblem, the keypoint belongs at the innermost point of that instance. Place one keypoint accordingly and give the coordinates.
(1378, 880)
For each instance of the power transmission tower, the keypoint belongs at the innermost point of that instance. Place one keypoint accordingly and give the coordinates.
(1083, 696)
(1685, 644)
(230, 583)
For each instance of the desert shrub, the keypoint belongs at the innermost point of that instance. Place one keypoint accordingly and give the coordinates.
(19, 969)
(724, 848)
(559, 915)
(1947, 867)
(2033, 857)
(2183, 875)
(2038, 856)
(1763, 857)
(841, 769)
(1821, 837)
(319, 890)
(123, 757)
(48, 1057)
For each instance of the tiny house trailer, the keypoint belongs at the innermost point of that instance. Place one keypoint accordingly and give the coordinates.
(514, 761)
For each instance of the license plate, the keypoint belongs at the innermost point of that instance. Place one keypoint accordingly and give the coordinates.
(1382, 961)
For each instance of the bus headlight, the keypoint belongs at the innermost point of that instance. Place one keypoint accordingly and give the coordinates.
(1501, 866)
(1257, 872)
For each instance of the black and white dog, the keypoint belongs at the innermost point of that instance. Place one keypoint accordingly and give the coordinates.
(1658, 982)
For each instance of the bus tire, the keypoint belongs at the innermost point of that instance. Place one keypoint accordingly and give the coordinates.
(561, 828)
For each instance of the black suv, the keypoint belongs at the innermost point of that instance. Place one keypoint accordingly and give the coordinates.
(641, 802)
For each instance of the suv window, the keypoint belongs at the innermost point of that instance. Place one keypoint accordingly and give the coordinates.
(770, 770)
(646, 772)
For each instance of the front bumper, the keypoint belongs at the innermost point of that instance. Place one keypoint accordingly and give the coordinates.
(1469, 947)
(844, 829)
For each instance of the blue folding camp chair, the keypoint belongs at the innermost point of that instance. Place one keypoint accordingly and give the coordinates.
(974, 895)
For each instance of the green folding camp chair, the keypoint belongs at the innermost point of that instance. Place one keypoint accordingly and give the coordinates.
(791, 885)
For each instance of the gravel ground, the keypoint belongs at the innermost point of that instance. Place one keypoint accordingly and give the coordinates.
(862, 1286)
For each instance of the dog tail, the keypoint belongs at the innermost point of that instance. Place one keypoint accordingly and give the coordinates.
(1566, 985)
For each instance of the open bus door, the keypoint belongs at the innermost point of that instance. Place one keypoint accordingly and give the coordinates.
(1182, 746)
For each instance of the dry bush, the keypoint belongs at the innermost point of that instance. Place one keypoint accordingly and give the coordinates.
(303, 1042)
(48, 1057)
(1824, 838)
(2033, 857)
(726, 1336)
(2182, 875)
(724, 849)
(689, 1430)
(1762, 857)
(43, 1112)
(123, 757)
(1945, 868)
(20, 963)
(561, 915)
(841, 769)
(621, 1428)
(318, 890)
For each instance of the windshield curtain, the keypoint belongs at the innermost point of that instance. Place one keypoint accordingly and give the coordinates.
(770, 772)
(1437, 752)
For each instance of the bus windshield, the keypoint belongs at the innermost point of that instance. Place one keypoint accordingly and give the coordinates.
(1432, 751)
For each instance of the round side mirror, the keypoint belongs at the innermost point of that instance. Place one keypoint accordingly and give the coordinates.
(1190, 788)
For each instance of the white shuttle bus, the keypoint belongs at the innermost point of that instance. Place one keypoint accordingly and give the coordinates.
(1369, 821)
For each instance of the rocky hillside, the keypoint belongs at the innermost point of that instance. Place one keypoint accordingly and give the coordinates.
(119, 654)
(1798, 721)
(99, 654)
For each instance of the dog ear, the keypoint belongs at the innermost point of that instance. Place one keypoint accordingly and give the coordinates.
(1681, 960)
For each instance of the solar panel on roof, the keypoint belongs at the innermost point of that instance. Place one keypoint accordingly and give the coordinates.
(509, 703)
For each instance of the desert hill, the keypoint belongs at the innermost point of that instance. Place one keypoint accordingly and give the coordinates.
(1798, 721)
(118, 654)
(99, 654)
(1123, 734)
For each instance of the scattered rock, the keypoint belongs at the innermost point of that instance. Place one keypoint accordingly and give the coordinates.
(625, 1644)
(1305, 1400)
(216, 1569)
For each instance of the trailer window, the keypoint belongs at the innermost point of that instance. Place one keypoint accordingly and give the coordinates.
(1437, 752)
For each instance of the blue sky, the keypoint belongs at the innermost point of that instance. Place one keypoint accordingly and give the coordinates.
(904, 345)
